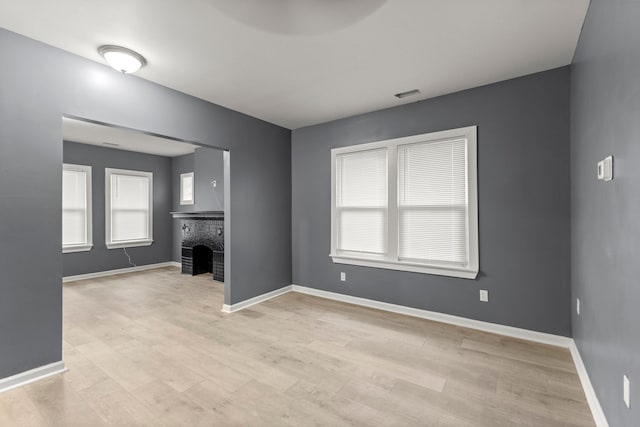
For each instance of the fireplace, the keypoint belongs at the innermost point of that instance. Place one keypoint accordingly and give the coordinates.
(202, 243)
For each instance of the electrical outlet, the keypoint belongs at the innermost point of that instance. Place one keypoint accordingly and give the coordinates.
(578, 306)
(343, 276)
(626, 391)
(484, 295)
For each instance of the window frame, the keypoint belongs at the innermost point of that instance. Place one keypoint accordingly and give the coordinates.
(184, 201)
(108, 172)
(391, 259)
(88, 244)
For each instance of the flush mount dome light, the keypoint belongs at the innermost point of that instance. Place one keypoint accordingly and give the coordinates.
(298, 17)
(122, 59)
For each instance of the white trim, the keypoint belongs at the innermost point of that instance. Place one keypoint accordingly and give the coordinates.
(108, 172)
(88, 244)
(32, 375)
(590, 393)
(183, 177)
(390, 260)
(78, 248)
(406, 266)
(119, 271)
(510, 331)
(226, 308)
(129, 244)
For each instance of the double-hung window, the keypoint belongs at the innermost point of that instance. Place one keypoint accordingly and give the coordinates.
(408, 204)
(129, 208)
(76, 208)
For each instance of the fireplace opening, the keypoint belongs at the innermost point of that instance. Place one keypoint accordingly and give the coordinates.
(197, 260)
(202, 260)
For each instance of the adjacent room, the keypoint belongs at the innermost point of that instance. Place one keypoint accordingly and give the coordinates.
(311, 212)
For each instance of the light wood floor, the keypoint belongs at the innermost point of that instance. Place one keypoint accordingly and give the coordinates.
(153, 349)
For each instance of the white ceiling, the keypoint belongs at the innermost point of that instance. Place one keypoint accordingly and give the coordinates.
(122, 139)
(296, 66)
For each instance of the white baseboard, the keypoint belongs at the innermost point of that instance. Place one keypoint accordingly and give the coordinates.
(26, 377)
(226, 308)
(119, 271)
(495, 328)
(590, 393)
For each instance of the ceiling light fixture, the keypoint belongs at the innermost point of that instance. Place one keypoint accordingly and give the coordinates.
(122, 59)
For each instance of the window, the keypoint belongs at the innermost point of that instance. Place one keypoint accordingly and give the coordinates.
(408, 204)
(76, 208)
(186, 188)
(129, 208)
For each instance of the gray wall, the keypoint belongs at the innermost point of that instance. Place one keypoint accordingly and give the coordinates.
(207, 165)
(523, 178)
(605, 111)
(179, 165)
(99, 258)
(44, 82)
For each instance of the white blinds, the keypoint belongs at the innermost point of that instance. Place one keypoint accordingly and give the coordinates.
(433, 202)
(361, 201)
(129, 207)
(74, 207)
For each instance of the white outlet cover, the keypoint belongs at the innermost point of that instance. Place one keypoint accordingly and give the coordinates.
(626, 391)
(343, 277)
(484, 295)
(578, 306)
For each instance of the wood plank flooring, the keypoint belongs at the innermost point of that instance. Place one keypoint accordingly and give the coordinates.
(153, 349)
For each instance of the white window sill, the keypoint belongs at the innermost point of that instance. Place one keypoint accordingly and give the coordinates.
(71, 249)
(129, 244)
(404, 266)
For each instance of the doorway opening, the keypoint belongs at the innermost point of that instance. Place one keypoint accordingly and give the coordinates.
(134, 199)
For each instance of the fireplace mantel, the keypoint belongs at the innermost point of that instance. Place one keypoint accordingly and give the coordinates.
(198, 214)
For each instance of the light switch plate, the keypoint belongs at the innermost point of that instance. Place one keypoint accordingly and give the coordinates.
(484, 295)
(605, 169)
(578, 306)
(626, 391)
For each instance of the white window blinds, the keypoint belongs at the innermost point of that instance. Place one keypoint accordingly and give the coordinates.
(408, 204)
(362, 201)
(74, 207)
(129, 208)
(432, 202)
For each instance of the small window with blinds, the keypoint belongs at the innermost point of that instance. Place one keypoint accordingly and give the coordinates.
(76, 208)
(129, 208)
(408, 204)
(361, 204)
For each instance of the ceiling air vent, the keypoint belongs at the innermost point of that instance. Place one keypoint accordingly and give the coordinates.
(407, 93)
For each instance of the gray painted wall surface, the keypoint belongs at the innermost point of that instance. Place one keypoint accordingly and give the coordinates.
(99, 258)
(207, 165)
(605, 106)
(523, 178)
(43, 83)
(179, 165)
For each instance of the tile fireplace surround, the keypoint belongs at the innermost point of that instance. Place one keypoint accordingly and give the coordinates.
(202, 242)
